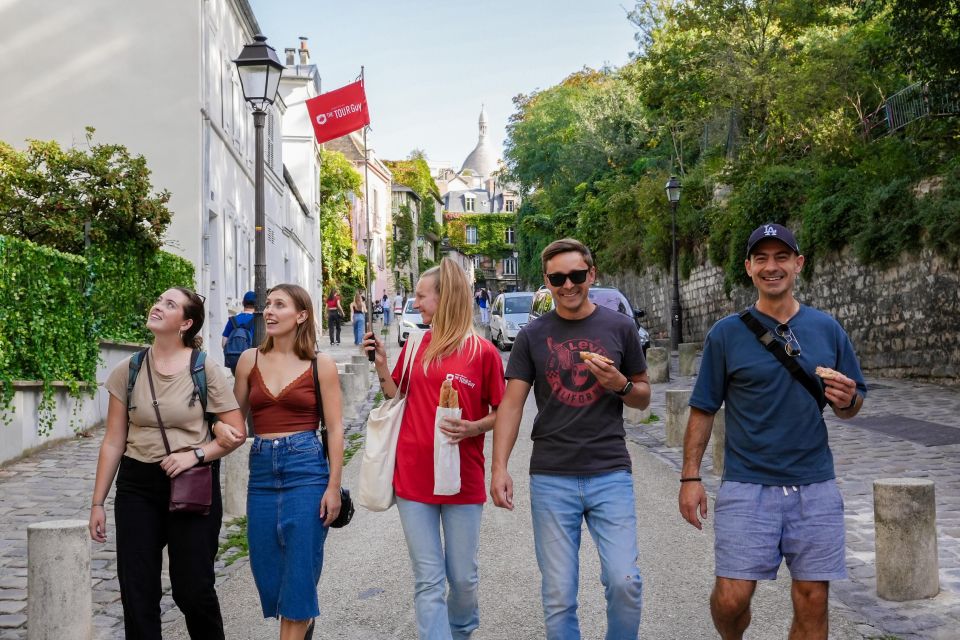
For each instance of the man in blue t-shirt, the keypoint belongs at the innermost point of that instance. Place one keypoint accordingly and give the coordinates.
(778, 498)
(580, 467)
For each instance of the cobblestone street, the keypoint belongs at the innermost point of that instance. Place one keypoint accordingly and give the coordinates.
(861, 456)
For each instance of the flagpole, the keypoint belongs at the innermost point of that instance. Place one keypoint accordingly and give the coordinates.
(366, 206)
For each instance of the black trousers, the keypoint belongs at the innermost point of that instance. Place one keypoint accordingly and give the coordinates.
(144, 526)
(333, 321)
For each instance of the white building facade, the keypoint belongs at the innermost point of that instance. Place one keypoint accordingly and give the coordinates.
(159, 78)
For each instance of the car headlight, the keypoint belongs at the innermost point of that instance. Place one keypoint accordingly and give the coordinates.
(409, 325)
(512, 326)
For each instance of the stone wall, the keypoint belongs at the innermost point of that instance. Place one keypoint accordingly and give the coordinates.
(903, 320)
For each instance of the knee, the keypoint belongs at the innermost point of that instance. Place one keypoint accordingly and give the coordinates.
(728, 603)
(466, 584)
(810, 597)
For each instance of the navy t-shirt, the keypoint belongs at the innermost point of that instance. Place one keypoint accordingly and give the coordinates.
(775, 432)
(579, 425)
(240, 319)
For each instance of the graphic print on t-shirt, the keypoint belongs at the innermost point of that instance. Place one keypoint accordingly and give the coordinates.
(570, 377)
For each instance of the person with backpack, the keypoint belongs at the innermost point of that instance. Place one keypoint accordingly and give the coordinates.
(161, 402)
(237, 336)
(293, 494)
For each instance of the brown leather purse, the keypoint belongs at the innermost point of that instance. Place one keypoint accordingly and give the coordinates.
(191, 491)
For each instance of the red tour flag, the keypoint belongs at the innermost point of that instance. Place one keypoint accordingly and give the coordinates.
(338, 112)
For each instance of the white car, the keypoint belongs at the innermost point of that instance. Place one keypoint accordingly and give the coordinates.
(507, 316)
(410, 322)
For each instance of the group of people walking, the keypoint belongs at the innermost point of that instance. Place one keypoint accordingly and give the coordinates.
(583, 362)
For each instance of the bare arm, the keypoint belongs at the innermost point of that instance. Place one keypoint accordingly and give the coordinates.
(333, 420)
(505, 430)
(387, 385)
(230, 433)
(111, 450)
(841, 392)
(693, 497)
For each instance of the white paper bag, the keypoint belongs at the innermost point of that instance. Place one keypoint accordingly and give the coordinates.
(446, 456)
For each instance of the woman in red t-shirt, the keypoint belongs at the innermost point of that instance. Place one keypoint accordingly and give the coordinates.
(450, 348)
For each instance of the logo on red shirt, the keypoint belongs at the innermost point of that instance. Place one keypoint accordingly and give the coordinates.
(569, 377)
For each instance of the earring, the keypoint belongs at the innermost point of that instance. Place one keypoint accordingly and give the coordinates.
(181, 334)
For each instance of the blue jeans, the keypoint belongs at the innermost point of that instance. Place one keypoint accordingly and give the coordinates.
(559, 505)
(436, 564)
(288, 477)
(359, 322)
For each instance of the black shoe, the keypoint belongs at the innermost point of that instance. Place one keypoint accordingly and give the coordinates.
(309, 634)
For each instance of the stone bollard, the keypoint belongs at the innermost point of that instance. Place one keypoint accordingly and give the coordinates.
(59, 595)
(718, 437)
(688, 358)
(360, 360)
(904, 515)
(348, 406)
(236, 473)
(678, 411)
(635, 416)
(658, 365)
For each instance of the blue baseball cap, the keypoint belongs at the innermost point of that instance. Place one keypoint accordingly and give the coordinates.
(774, 231)
(249, 299)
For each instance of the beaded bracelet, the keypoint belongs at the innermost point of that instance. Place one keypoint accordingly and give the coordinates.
(697, 479)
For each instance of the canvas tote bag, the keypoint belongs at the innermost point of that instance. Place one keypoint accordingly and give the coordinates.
(375, 492)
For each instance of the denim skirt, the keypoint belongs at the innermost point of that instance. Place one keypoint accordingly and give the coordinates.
(288, 477)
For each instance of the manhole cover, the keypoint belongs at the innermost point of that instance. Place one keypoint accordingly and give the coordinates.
(929, 434)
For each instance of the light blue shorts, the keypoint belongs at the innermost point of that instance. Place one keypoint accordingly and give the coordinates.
(758, 526)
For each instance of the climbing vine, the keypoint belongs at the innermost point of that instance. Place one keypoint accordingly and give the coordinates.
(491, 233)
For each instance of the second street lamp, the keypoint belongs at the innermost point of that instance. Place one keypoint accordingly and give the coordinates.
(260, 70)
(676, 312)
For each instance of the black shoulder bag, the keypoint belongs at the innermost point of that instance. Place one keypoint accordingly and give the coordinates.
(775, 347)
(346, 502)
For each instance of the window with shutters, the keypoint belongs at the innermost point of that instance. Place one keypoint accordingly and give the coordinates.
(471, 234)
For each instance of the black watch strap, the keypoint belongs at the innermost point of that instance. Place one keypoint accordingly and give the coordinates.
(626, 389)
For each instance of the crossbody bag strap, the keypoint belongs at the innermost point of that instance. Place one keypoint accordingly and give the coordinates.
(156, 405)
(775, 347)
(323, 427)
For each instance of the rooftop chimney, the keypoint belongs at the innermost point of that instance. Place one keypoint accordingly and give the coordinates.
(304, 51)
(291, 56)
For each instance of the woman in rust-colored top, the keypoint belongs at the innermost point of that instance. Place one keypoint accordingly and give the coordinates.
(293, 494)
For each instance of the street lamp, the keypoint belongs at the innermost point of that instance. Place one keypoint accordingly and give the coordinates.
(260, 70)
(516, 271)
(676, 325)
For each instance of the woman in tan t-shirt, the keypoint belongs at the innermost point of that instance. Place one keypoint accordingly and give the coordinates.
(133, 443)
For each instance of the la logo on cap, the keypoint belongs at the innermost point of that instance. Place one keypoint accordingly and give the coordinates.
(769, 230)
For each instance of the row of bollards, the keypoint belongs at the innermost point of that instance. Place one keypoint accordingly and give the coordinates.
(907, 566)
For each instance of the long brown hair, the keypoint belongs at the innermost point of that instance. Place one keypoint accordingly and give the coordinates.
(305, 342)
(452, 324)
(192, 310)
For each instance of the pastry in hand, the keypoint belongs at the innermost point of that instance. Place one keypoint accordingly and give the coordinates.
(827, 373)
(589, 355)
(449, 399)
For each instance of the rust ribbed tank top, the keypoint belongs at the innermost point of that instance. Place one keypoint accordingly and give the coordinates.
(294, 409)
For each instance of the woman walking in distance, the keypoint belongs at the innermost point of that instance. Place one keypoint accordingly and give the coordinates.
(293, 494)
(357, 310)
(450, 349)
(133, 443)
(334, 316)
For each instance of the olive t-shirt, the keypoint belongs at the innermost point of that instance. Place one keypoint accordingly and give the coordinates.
(186, 428)
(579, 425)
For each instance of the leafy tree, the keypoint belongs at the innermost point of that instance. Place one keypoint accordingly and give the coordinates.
(48, 193)
(340, 183)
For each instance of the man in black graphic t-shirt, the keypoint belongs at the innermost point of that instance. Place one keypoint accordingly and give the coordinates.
(580, 468)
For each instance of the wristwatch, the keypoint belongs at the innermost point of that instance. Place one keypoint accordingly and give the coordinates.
(199, 453)
(626, 389)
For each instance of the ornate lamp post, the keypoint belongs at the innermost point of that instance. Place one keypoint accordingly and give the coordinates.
(676, 312)
(516, 271)
(260, 70)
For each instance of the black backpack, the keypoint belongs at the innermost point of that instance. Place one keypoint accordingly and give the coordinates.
(239, 340)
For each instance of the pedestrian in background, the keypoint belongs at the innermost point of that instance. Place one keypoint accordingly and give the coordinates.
(357, 313)
(334, 316)
(450, 349)
(580, 469)
(238, 333)
(293, 493)
(385, 305)
(483, 303)
(778, 498)
(134, 444)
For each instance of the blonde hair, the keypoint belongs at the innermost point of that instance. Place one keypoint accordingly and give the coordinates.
(358, 304)
(305, 342)
(452, 325)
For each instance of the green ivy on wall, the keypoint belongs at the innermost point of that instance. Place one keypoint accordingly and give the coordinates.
(491, 233)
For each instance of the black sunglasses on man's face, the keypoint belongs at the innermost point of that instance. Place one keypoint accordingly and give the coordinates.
(576, 277)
